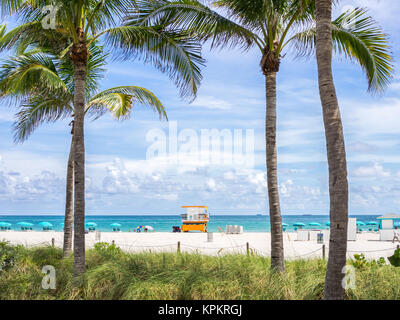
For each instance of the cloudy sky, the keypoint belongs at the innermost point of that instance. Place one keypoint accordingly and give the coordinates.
(124, 178)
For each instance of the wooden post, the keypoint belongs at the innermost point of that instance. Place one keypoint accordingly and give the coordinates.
(179, 247)
(398, 247)
(323, 252)
(113, 242)
(53, 241)
(247, 249)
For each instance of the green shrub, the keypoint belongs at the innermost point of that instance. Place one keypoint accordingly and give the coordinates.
(9, 255)
(360, 262)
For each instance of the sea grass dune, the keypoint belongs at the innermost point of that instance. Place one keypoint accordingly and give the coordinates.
(367, 243)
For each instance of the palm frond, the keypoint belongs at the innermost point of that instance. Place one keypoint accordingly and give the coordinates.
(358, 37)
(121, 100)
(174, 53)
(191, 15)
(37, 110)
(29, 72)
(106, 13)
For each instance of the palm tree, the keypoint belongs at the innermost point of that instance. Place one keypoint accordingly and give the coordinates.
(271, 26)
(81, 22)
(30, 79)
(338, 185)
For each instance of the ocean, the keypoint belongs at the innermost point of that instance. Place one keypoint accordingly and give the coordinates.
(164, 223)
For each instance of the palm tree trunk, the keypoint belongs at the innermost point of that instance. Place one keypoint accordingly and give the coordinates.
(79, 57)
(277, 256)
(338, 186)
(69, 204)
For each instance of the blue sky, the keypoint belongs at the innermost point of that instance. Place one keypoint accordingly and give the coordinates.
(122, 180)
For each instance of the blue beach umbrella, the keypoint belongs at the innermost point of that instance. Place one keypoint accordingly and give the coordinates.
(25, 225)
(5, 226)
(327, 224)
(284, 226)
(298, 225)
(360, 223)
(372, 224)
(91, 226)
(116, 226)
(314, 224)
(46, 225)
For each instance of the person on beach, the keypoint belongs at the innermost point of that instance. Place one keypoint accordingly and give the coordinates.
(396, 235)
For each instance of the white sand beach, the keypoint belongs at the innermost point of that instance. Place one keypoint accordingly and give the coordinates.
(259, 243)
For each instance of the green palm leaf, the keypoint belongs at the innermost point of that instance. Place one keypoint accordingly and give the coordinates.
(37, 110)
(121, 100)
(195, 17)
(172, 52)
(357, 36)
(30, 72)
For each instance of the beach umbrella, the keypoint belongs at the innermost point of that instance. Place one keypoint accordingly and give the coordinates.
(327, 224)
(139, 227)
(314, 224)
(25, 224)
(149, 228)
(360, 223)
(285, 224)
(91, 224)
(299, 224)
(117, 225)
(45, 224)
(372, 223)
(5, 224)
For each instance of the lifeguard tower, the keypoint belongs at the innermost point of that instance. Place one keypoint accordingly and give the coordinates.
(195, 218)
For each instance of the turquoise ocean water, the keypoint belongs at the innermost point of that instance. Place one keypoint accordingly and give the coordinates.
(164, 223)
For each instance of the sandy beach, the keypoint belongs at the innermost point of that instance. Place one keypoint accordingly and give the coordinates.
(259, 243)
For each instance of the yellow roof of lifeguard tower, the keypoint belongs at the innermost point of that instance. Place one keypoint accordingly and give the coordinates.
(194, 207)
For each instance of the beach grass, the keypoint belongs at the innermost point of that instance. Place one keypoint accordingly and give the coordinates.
(114, 274)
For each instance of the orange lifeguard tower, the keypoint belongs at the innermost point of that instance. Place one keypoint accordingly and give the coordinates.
(195, 218)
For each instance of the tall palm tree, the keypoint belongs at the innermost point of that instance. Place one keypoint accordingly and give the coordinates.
(338, 185)
(81, 22)
(270, 26)
(30, 78)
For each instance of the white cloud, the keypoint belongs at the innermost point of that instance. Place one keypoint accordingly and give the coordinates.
(375, 171)
(211, 102)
